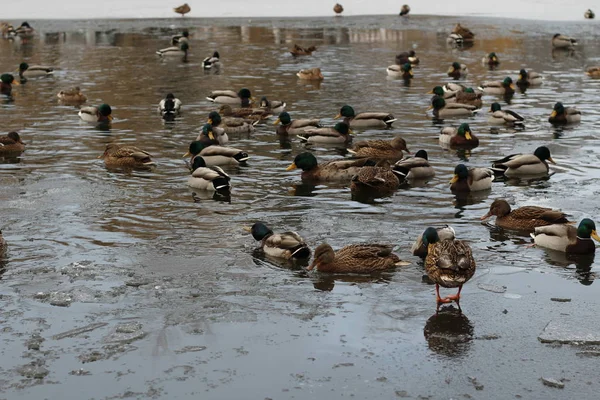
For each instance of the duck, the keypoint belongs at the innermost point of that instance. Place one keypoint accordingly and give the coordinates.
(102, 113)
(11, 144)
(564, 115)
(272, 106)
(563, 42)
(72, 95)
(178, 39)
(407, 57)
(32, 71)
(524, 165)
(336, 170)
(213, 178)
(404, 10)
(523, 218)
(215, 155)
(465, 33)
(589, 14)
(311, 74)
(212, 61)
(419, 248)
(469, 97)
(210, 135)
(446, 94)
(6, 82)
(504, 87)
(458, 70)
(250, 115)
(593, 72)
(528, 79)
(7, 31)
(378, 180)
(467, 180)
(302, 51)
(567, 238)
(169, 107)
(242, 98)
(490, 60)
(449, 263)
(124, 155)
(458, 137)
(355, 258)
(504, 117)
(294, 127)
(285, 245)
(365, 119)
(175, 51)
(390, 150)
(184, 9)
(338, 8)
(338, 134)
(403, 71)
(416, 167)
(230, 125)
(24, 30)
(442, 110)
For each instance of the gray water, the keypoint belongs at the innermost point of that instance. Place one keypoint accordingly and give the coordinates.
(216, 319)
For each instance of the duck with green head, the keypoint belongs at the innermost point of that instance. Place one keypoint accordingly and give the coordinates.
(504, 87)
(176, 51)
(469, 97)
(11, 144)
(272, 106)
(102, 113)
(355, 259)
(338, 134)
(499, 116)
(564, 115)
(365, 119)
(241, 98)
(208, 178)
(419, 248)
(458, 137)
(448, 95)
(6, 82)
(286, 245)
(294, 127)
(403, 71)
(467, 180)
(32, 71)
(337, 170)
(457, 71)
(528, 79)
(567, 238)
(417, 167)
(216, 155)
(490, 60)
(230, 125)
(524, 165)
(211, 135)
(442, 110)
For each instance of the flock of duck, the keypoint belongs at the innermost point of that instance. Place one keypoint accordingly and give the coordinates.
(376, 167)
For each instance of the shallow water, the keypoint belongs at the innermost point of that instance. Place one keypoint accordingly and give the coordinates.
(137, 247)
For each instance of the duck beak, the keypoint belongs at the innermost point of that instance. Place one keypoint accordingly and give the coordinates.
(595, 236)
(410, 72)
(429, 108)
(211, 136)
(454, 179)
(486, 216)
(292, 167)
(15, 82)
(551, 160)
(338, 116)
(350, 131)
(209, 121)
(512, 86)
(187, 154)
(430, 92)
(110, 118)
(247, 229)
(553, 114)
(450, 70)
(520, 77)
(277, 121)
(468, 135)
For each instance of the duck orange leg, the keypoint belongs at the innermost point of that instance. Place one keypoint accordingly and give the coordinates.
(439, 300)
(455, 298)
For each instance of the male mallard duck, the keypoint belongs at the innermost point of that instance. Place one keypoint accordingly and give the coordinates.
(272, 106)
(184, 9)
(355, 258)
(212, 61)
(528, 78)
(210, 135)
(419, 248)
(457, 70)
(567, 238)
(102, 113)
(471, 179)
(295, 127)
(563, 42)
(446, 94)
(416, 167)
(337, 170)
(6, 82)
(302, 51)
(390, 150)
(338, 134)
(516, 165)
(216, 155)
(407, 57)
(500, 117)
(498, 87)
(589, 14)
(11, 144)
(365, 119)
(178, 39)
(25, 30)
(311, 74)
(286, 245)
(564, 115)
(32, 71)
(376, 180)
(208, 178)
(169, 107)
(442, 110)
(593, 72)
(175, 51)
(250, 115)
(72, 95)
(242, 98)
(230, 125)
(338, 9)
(127, 156)
(490, 60)
(403, 71)
(404, 10)
(523, 218)
(458, 137)
(448, 263)
(469, 97)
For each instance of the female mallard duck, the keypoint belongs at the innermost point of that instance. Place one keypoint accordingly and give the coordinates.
(208, 178)
(72, 95)
(407, 57)
(449, 263)
(471, 179)
(184, 9)
(102, 113)
(528, 79)
(302, 51)
(175, 51)
(295, 127)
(505, 87)
(564, 115)
(286, 245)
(377, 180)
(403, 71)
(250, 115)
(126, 156)
(563, 42)
(523, 218)
(169, 107)
(469, 97)
(338, 8)
(593, 72)
(442, 110)
(416, 167)
(589, 14)
(490, 60)
(466, 34)
(355, 258)
(272, 106)
(210, 135)
(567, 238)
(32, 71)
(338, 134)
(419, 248)
(231, 125)
(457, 70)
(458, 137)
(6, 82)
(524, 165)
(311, 74)
(216, 155)
(404, 10)
(390, 150)
(11, 144)
(337, 170)
(365, 119)
(242, 98)
(500, 117)
(212, 61)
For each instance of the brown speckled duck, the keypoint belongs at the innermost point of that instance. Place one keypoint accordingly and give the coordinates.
(11, 144)
(126, 156)
(390, 150)
(355, 258)
(523, 218)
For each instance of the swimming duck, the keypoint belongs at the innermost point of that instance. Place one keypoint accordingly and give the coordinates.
(295, 127)
(128, 156)
(210, 135)
(24, 30)
(524, 165)
(471, 179)
(457, 70)
(593, 72)
(242, 98)
(416, 167)
(567, 238)
(178, 39)
(338, 8)
(498, 87)
(446, 94)
(7, 31)
(311, 74)
(528, 78)
(365, 119)
(404, 10)
(208, 178)
(403, 71)
(465, 33)
(407, 57)
(230, 125)
(184, 9)
(216, 155)
(355, 258)
(337, 170)
(419, 248)
(442, 110)
(11, 144)
(390, 150)
(490, 60)
(6, 82)
(458, 137)
(272, 106)
(376, 180)
(523, 218)
(469, 97)
(589, 14)
(339, 134)
(302, 51)
(449, 263)
(250, 115)
(176, 51)
(102, 113)
(71, 95)
(563, 42)
(212, 61)
(564, 115)
(169, 107)
(500, 117)
(286, 245)
(32, 71)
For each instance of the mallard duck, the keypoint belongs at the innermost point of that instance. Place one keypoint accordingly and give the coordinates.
(11, 144)
(593, 72)
(589, 14)
(365, 119)
(355, 258)
(32, 71)
(469, 97)
(272, 106)
(449, 263)
(338, 134)
(230, 125)
(419, 248)
(505, 87)
(102, 113)
(212, 61)
(6, 82)
(24, 30)
(500, 117)
(563, 42)
(184, 9)
(465, 33)
(442, 110)
(217, 155)
(337, 170)
(286, 245)
(390, 150)
(564, 115)
(250, 115)
(523, 218)
(124, 155)
(178, 39)
(524, 165)
(448, 95)
(169, 107)
(311, 74)
(528, 78)
(404, 10)
(302, 51)
(338, 9)
(567, 238)
(175, 51)
(403, 71)
(458, 137)
(295, 127)
(407, 57)
(416, 167)
(208, 178)
(242, 98)
(72, 95)
(376, 180)
(471, 179)
(490, 60)
(458, 70)
(210, 135)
